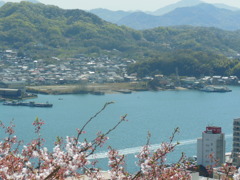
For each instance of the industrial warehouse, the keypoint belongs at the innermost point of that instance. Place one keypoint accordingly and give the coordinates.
(10, 93)
(13, 90)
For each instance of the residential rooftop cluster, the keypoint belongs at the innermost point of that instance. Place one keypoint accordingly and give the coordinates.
(68, 71)
(82, 69)
(193, 82)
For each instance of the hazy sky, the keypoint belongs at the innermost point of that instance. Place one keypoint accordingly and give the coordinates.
(144, 5)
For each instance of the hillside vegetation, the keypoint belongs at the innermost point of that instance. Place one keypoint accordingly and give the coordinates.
(48, 30)
(187, 63)
(42, 31)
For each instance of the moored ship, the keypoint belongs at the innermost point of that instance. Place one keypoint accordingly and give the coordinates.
(30, 104)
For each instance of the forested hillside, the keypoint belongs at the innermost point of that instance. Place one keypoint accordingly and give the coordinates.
(195, 38)
(48, 30)
(187, 63)
(42, 31)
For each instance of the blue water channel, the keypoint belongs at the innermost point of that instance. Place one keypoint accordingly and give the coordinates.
(157, 112)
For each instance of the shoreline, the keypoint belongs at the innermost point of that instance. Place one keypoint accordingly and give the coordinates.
(96, 89)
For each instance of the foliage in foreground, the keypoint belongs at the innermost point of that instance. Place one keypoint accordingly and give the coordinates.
(70, 158)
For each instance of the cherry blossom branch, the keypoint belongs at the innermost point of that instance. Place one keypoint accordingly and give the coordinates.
(159, 154)
(116, 163)
(70, 159)
(53, 173)
(99, 141)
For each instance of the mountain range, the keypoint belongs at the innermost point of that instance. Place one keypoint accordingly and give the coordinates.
(185, 12)
(171, 7)
(187, 3)
(110, 16)
(115, 16)
(205, 15)
(43, 30)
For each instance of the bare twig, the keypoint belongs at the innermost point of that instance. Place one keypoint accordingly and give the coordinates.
(123, 118)
(80, 132)
(148, 138)
(96, 144)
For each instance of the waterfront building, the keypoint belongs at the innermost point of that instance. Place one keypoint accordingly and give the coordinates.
(211, 147)
(20, 85)
(236, 142)
(10, 93)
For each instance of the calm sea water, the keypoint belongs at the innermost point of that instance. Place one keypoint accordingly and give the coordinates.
(156, 112)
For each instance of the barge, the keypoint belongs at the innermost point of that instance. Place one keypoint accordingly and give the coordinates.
(30, 104)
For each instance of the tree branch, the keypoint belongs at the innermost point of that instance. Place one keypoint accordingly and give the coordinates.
(80, 132)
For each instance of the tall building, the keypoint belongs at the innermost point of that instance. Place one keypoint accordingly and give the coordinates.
(236, 142)
(212, 144)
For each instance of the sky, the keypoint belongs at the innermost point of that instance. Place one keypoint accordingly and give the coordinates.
(126, 5)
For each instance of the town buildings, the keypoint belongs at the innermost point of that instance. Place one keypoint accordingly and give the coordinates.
(81, 69)
(236, 142)
(211, 147)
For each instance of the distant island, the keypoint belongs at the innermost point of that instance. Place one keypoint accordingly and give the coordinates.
(46, 46)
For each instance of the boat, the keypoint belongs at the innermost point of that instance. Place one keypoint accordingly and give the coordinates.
(211, 88)
(33, 104)
(11, 103)
(30, 104)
